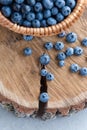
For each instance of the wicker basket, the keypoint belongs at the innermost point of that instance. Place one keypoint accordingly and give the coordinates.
(47, 31)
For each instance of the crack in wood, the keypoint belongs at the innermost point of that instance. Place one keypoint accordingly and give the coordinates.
(43, 88)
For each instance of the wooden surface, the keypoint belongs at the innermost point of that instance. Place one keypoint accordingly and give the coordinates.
(20, 79)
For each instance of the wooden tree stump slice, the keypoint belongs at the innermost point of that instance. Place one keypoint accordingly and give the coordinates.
(20, 78)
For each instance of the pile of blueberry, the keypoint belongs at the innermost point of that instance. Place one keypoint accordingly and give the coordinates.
(37, 13)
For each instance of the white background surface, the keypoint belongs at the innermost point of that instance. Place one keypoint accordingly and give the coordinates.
(8, 121)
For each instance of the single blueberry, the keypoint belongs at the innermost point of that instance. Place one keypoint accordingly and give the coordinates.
(66, 10)
(78, 51)
(44, 59)
(27, 51)
(43, 72)
(59, 17)
(27, 37)
(48, 4)
(71, 37)
(51, 21)
(69, 51)
(61, 63)
(62, 34)
(74, 68)
(48, 45)
(60, 3)
(83, 71)
(59, 45)
(61, 56)
(6, 11)
(84, 42)
(44, 97)
(50, 76)
(16, 18)
(71, 3)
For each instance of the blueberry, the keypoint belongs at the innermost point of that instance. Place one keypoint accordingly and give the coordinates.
(74, 68)
(27, 51)
(71, 3)
(27, 37)
(47, 13)
(26, 23)
(62, 34)
(59, 17)
(83, 71)
(31, 2)
(25, 8)
(6, 2)
(36, 23)
(43, 23)
(50, 76)
(48, 4)
(6, 11)
(60, 3)
(44, 97)
(54, 11)
(30, 16)
(49, 45)
(61, 63)
(16, 18)
(16, 7)
(44, 59)
(38, 7)
(51, 21)
(59, 45)
(19, 1)
(71, 37)
(78, 51)
(66, 10)
(61, 56)
(84, 42)
(69, 51)
(39, 16)
(43, 72)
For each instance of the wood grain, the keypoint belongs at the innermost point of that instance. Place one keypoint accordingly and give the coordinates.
(20, 79)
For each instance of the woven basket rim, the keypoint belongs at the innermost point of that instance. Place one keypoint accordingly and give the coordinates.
(45, 31)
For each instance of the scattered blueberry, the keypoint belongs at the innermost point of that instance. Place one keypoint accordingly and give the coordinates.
(74, 68)
(27, 37)
(43, 72)
(50, 76)
(61, 63)
(59, 45)
(84, 42)
(78, 51)
(44, 97)
(49, 45)
(44, 59)
(83, 71)
(27, 51)
(69, 51)
(61, 56)
(71, 37)
(62, 34)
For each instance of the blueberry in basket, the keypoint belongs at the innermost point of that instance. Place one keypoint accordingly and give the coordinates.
(36, 13)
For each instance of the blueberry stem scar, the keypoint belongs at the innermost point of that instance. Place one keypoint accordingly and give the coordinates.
(43, 88)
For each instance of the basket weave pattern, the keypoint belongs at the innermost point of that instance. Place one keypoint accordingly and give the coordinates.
(47, 31)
